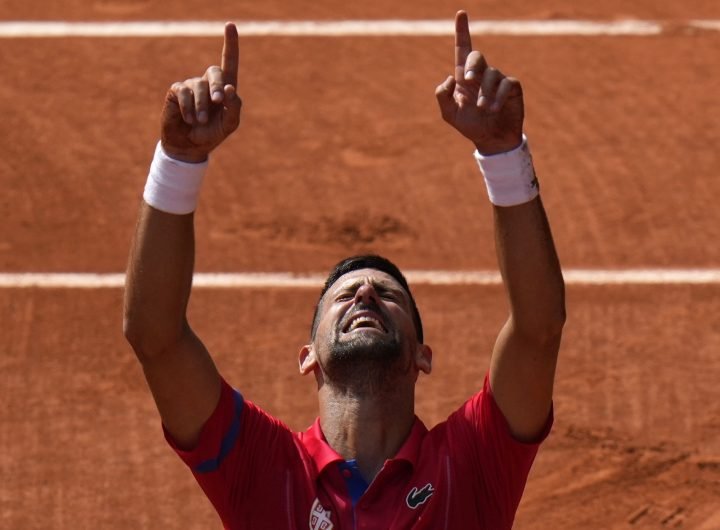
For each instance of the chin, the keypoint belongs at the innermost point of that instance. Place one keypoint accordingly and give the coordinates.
(359, 347)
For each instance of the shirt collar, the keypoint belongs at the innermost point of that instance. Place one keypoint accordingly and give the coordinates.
(320, 451)
(410, 449)
(322, 454)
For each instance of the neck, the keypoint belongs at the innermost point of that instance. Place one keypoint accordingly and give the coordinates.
(367, 427)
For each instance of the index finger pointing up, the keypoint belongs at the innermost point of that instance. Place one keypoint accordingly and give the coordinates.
(230, 55)
(463, 45)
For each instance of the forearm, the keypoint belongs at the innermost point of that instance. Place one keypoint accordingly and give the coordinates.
(159, 278)
(530, 270)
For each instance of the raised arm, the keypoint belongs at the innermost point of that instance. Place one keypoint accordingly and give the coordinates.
(198, 115)
(487, 108)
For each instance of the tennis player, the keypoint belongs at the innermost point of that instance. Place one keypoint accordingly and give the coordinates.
(367, 462)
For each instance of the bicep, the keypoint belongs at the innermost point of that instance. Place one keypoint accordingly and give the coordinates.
(522, 373)
(185, 385)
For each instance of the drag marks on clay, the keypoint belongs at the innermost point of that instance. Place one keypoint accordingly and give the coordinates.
(710, 465)
(658, 515)
(352, 229)
(608, 462)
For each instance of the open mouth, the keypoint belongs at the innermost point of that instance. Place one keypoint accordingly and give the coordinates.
(364, 320)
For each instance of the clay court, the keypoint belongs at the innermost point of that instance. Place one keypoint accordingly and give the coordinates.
(341, 150)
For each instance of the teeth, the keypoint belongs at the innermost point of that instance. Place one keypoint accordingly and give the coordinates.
(362, 320)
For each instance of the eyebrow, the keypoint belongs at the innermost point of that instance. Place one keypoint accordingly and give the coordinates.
(378, 285)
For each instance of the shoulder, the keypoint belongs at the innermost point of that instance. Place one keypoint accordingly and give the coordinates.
(479, 427)
(237, 425)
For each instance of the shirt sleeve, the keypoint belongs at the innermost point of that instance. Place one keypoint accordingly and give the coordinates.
(239, 442)
(482, 441)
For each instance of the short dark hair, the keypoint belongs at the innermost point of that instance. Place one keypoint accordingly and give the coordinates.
(367, 261)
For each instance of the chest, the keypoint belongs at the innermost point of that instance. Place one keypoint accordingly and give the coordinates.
(442, 491)
(399, 498)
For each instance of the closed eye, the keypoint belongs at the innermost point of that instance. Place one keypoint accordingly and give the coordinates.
(344, 297)
(388, 294)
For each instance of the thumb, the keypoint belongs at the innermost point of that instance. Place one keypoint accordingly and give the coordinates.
(444, 95)
(231, 112)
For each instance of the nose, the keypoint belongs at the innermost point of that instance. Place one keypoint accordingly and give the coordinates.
(366, 294)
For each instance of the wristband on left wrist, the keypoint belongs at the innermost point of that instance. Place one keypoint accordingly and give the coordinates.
(509, 177)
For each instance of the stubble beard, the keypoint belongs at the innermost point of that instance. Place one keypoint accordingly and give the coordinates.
(365, 363)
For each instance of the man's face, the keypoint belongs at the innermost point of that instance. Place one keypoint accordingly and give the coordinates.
(365, 329)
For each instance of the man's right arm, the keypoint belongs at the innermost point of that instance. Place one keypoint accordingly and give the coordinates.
(199, 114)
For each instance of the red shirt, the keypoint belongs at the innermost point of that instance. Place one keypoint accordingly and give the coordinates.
(467, 472)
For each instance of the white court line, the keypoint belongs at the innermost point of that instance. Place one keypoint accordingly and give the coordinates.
(706, 24)
(340, 28)
(414, 277)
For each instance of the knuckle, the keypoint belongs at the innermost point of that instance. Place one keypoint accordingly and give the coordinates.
(178, 87)
(201, 87)
(193, 82)
(492, 77)
(514, 85)
(182, 90)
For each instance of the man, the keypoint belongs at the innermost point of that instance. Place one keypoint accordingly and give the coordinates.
(367, 462)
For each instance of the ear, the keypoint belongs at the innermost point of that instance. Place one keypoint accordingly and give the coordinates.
(307, 361)
(423, 358)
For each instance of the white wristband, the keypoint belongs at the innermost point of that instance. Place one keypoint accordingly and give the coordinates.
(173, 186)
(509, 177)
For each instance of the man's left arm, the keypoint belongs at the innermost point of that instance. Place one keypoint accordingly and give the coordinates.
(487, 107)
(522, 369)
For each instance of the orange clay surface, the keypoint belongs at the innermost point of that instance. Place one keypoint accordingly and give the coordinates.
(341, 150)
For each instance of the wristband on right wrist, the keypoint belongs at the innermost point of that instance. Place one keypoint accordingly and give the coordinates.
(173, 186)
(509, 177)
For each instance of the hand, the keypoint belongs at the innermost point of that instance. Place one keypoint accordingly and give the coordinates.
(201, 112)
(479, 101)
